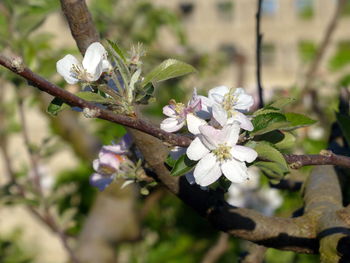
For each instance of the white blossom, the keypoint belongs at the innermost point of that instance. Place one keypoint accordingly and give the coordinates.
(180, 115)
(94, 64)
(218, 154)
(227, 104)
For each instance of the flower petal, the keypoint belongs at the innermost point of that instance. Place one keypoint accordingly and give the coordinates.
(171, 125)
(243, 153)
(219, 114)
(193, 123)
(100, 181)
(245, 122)
(217, 94)
(64, 67)
(235, 171)
(110, 160)
(230, 134)
(93, 61)
(211, 137)
(244, 100)
(205, 112)
(207, 170)
(196, 150)
(169, 111)
(96, 164)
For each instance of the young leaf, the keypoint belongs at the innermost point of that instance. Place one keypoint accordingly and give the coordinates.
(344, 123)
(287, 142)
(297, 120)
(117, 49)
(182, 166)
(93, 97)
(120, 63)
(55, 106)
(280, 103)
(264, 123)
(272, 170)
(170, 68)
(266, 151)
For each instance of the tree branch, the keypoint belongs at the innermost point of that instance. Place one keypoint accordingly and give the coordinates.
(323, 202)
(80, 23)
(35, 80)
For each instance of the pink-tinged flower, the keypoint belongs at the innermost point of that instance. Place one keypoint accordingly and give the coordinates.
(227, 104)
(180, 115)
(94, 64)
(109, 163)
(218, 154)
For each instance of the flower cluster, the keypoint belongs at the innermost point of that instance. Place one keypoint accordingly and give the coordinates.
(216, 122)
(112, 163)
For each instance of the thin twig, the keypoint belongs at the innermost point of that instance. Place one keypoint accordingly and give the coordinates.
(45, 217)
(217, 250)
(33, 157)
(311, 73)
(35, 80)
(259, 38)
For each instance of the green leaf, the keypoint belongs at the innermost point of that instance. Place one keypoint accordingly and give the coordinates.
(297, 120)
(120, 63)
(344, 123)
(182, 166)
(93, 97)
(55, 106)
(272, 170)
(170, 161)
(144, 94)
(280, 103)
(266, 151)
(170, 68)
(287, 142)
(117, 49)
(264, 123)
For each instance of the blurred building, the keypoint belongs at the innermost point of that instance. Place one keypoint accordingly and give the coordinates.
(292, 30)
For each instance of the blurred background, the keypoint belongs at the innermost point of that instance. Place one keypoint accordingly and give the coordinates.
(305, 55)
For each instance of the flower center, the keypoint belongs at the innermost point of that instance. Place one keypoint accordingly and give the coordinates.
(222, 152)
(80, 73)
(229, 102)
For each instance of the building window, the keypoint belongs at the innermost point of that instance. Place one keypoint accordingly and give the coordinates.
(225, 10)
(186, 9)
(304, 9)
(269, 7)
(268, 54)
(306, 50)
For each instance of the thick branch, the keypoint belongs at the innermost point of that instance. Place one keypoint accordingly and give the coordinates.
(80, 23)
(323, 203)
